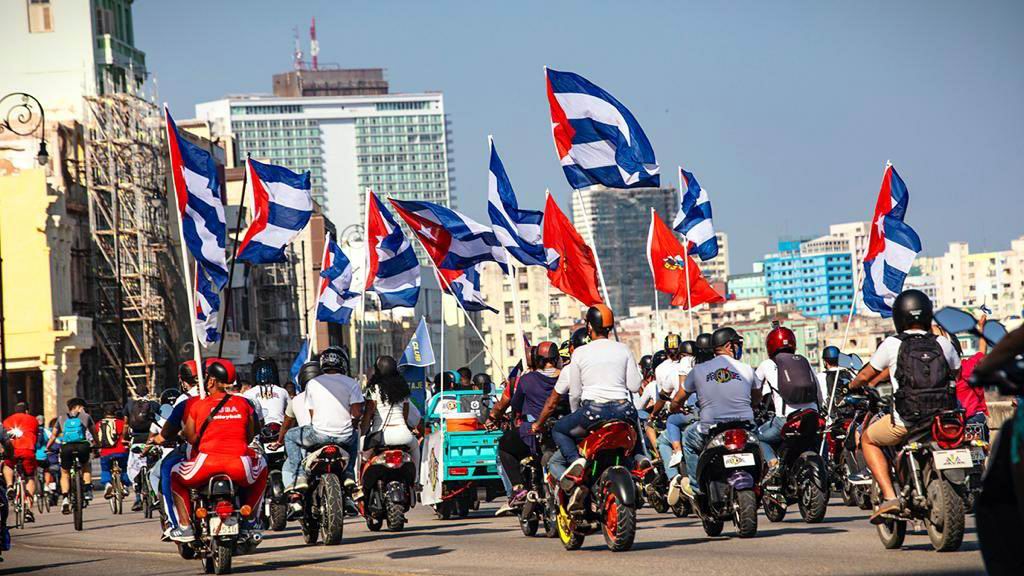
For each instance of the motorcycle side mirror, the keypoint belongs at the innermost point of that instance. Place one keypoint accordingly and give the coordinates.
(994, 331)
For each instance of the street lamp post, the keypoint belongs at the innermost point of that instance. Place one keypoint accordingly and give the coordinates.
(24, 117)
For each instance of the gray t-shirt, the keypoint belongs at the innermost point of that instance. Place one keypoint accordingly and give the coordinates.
(723, 385)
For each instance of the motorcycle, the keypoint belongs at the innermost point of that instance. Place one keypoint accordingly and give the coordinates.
(976, 436)
(388, 479)
(865, 404)
(729, 474)
(540, 507)
(275, 505)
(609, 494)
(929, 474)
(216, 519)
(801, 476)
(323, 502)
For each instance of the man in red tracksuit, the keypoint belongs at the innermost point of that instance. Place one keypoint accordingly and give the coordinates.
(223, 448)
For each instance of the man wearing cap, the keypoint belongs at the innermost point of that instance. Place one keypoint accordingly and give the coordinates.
(606, 374)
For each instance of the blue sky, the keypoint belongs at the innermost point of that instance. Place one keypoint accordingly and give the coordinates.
(785, 111)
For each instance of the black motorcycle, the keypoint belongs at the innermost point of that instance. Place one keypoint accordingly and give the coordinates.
(801, 477)
(323, 502)
(853, 473)
(275, 503)
(541, 505)
(388, 479)
(728, 474)
(216, 519)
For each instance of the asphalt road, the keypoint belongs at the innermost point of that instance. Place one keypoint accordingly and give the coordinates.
(482, 545)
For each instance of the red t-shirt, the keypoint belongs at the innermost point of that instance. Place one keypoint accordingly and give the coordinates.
(119, 447)
(24, 432)
(972, 399)
(227, 432)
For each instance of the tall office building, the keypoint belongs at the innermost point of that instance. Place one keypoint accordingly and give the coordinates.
(615, 224)
(397, 144)
(331, 82)
(818, 283)
(717, 269)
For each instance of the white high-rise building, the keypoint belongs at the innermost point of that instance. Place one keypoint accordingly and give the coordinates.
(396, 144)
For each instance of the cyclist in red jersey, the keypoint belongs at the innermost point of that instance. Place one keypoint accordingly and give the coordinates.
(223, 448)
(23, 430)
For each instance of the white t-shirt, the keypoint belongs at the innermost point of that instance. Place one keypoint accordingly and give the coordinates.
(723, 385)
(272, 404)
(671, 373)
(889, 351)
(646, 399)
(392, 414)
(603, 371)
(768, 373)
(330, 397)
(297, 409)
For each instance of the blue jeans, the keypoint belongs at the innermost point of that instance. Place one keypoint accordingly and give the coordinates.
(590, 414)
(170, 461)
(770, 435)
(304, 438)
(105, 464)
(674, 425)
(693, 444)
(665, 450)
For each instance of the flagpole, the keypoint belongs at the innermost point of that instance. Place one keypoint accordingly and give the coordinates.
(686, 263)
(186, 274)
(366, 280)
(234, 250)
(305, 298)
(441, 292)
(315, 347)
(469, 320)
(659, 326)
(516, 309)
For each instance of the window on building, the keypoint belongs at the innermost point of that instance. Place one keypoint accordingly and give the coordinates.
(508, 312)
(40, 16)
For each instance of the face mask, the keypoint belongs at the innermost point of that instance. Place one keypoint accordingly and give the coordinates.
(739, 350)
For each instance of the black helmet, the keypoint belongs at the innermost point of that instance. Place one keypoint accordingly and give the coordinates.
(657, 359)
(600, 318)
(723, 336)
(645, 365)
(563, 350)
(830, 354)
(385, 365)
(705, 349)
(579, 338)
(264, 371)
(912, 308)
(307, 372)
(334, 358)
(689, 347)
(169, 395)
(218, 371)
(482, 381)
(673, 342)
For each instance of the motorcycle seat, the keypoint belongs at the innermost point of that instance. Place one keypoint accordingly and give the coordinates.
(315, 453)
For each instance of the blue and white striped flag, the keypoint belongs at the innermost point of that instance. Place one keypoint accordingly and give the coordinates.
(519, 231)
(337, 300)
(892, 247)
(693, 220)
(466, 287)
(207, 308)
(394, 270)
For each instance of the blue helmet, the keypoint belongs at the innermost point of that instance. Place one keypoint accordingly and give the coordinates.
(265, 372)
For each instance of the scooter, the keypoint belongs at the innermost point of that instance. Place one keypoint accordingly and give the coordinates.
(801, 477)
(729, 475)
(388, 480)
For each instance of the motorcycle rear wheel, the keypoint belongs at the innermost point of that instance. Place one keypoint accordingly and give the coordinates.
(892, 533)
(774, 511)
(529, 525)
(395, 516)
(683, 508)
(619, 524)
(745, 514)
(278, 516)
(712, 526)
(813, 500)
(947, 508)
(332, 509)
(550, 514)
(219, 559)
(310, 531)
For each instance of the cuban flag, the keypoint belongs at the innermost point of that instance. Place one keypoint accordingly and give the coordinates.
(893, 245)
(394, 271)
(200, 206)
(693, 220)
(282, 206)
(452, 240)
(207, 308)
(597, 138)
(465, 285)
(336, 300)
(519, 231)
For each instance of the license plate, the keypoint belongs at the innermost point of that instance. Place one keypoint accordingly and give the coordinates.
(228, 527)
(948, 459)
(738, 460)
(977, 454)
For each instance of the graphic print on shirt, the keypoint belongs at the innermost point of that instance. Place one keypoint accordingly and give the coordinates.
(722, 375)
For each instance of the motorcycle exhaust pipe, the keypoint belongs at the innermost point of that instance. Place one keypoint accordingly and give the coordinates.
(256, 538)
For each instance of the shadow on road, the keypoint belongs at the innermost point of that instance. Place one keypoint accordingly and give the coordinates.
(276, 564)
(41, 568)
(418, 552)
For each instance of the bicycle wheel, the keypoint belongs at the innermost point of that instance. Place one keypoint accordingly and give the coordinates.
(77, 496)
(117, 501)
(19, 501)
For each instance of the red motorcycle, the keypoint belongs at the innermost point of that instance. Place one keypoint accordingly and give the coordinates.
(609, 494)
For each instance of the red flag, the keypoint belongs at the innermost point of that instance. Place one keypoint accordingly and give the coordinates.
(665, 256)
(576, 274)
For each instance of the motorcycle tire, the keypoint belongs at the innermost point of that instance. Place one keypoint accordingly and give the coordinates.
(774, 511)
(462, 505)
(278, 516)
(332, 507)
(529, 525)
(813, 500)
(550, 514)
(745, 514)
(683, 508)
(219, 558)
(712, 526)
(310, 531)
(395, 516)
(863, 498)
(847, 491)
(945, 523)
(147, 502)
(659, 504)
(892, 533)
(185, 551)
(567, 533)
(443, 510)
(619, 524)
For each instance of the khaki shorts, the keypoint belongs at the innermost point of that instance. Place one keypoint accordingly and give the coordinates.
(884, 432)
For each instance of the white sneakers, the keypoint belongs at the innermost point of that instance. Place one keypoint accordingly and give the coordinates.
(676, 459)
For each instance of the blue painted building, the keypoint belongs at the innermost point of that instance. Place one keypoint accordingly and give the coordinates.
(819, 284)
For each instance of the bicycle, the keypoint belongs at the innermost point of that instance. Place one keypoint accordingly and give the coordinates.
(42, 496)
(77, 495)
(19, 496)
(117, 500)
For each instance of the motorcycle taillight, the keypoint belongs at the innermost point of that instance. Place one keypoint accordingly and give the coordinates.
(735, 439)
(948, 430)
(393, 458)
(224, 509)
(329, 450)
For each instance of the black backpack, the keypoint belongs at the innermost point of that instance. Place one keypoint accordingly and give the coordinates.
(798, 384)
(924, 377)
(841, 378)
(141, 415)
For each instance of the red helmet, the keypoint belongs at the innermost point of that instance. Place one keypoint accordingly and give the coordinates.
(228, 365)
(780, 339)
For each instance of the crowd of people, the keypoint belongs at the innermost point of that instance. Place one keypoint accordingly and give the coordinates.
(674, 398)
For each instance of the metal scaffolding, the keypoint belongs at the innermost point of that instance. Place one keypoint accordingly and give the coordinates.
(131, 266)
